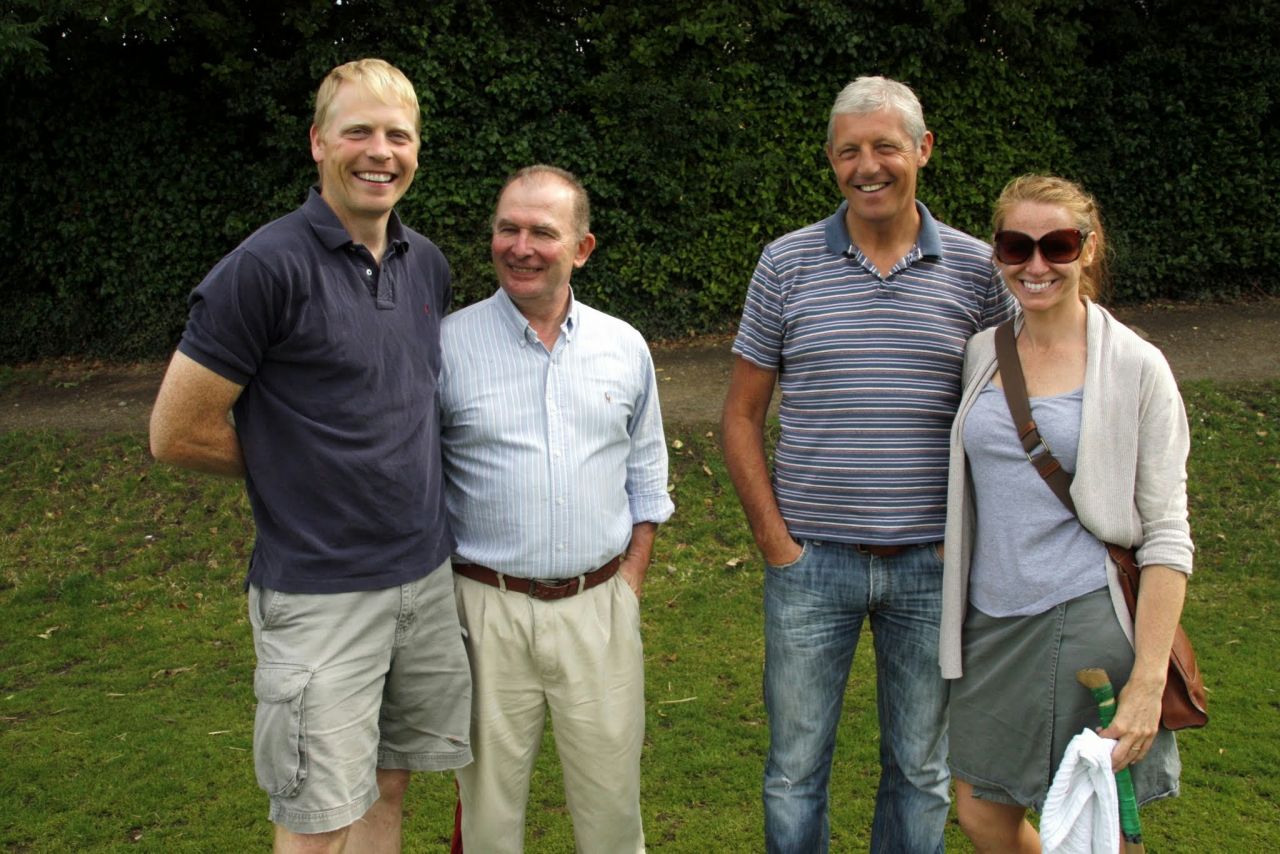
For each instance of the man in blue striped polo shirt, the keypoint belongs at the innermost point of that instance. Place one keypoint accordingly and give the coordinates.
(861, 319)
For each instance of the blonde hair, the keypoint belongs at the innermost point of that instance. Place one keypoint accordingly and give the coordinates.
(386, 82)
(1079, 204)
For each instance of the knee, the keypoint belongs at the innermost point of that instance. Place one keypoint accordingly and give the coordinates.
(969, 813)
(392, 786)
(329, 842)
(989, 826)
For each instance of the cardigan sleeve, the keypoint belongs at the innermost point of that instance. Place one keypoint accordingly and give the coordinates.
(979, 366)
(1160, 488)
(1130, 484)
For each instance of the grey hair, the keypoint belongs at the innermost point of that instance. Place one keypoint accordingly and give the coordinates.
(869, 94)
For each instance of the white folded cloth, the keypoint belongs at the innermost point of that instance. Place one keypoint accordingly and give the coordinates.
(1081, 812)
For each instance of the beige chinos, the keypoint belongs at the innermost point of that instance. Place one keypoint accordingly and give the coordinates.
(581, 657)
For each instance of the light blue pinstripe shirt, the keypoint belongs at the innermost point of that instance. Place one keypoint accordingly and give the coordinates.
(869, 368)
(549, 458)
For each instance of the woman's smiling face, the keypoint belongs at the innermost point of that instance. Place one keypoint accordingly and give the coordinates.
(1037, 284)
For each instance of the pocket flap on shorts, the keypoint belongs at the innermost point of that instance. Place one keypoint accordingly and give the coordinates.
(279, 683)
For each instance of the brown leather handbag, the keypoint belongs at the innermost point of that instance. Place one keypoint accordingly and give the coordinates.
(1185, 703)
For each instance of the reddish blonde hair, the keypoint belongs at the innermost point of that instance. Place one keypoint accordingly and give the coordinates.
(1083, 209)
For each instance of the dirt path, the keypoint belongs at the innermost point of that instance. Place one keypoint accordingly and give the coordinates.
(1236, 341)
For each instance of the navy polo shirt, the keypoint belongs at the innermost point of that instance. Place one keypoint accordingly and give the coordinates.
(338, 420)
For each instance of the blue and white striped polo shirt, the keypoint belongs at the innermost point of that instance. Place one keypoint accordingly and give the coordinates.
(869, 368)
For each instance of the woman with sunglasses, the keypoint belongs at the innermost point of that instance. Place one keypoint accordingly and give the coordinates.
(1029, 594)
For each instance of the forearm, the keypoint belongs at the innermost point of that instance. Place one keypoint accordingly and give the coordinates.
(639, 552)
(1160, 598)
(742, 430)
(189, 422)
(213, 450)
(749, 471)
(1137, 719)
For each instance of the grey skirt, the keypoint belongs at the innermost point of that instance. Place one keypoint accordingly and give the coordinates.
(1019, 704)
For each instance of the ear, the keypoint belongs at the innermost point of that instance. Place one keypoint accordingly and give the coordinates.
(926, 148)
(317, 145)
(585, 247)
(1090, 249)
(831, 159)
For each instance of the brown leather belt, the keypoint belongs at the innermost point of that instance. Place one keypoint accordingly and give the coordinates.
(538, 588)
(880, 551)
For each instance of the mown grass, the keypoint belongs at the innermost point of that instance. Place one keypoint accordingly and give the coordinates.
(126, 700)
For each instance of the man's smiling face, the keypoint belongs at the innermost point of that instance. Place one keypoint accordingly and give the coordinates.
(367, 153)
(875, 162)
(536, 244)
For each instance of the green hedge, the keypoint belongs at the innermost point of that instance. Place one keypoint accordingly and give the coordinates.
(146, 138)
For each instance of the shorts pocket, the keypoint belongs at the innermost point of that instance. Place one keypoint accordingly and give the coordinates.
(280, 732)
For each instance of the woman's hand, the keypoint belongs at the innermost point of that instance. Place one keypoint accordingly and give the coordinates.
(1137, 721)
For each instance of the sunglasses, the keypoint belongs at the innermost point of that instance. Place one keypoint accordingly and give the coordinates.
(1057, 247)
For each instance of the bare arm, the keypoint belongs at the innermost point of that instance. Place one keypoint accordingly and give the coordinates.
(635, 560)
(1160, 598)
(189, 425)
(742, 426)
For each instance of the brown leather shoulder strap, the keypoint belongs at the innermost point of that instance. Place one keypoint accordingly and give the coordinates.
(1015, 395)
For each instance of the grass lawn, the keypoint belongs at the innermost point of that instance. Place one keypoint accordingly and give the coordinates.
(126, 674)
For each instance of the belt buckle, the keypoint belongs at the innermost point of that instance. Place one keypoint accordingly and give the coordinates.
(535, 585)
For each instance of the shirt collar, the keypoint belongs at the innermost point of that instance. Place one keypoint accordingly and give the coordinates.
(520, 325)
(333, 235)
(838, 241)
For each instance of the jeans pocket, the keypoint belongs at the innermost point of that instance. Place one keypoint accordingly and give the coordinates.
(804, 553)
(280, 732)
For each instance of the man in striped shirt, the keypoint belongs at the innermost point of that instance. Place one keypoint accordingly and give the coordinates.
(861, 320)
(556, 482)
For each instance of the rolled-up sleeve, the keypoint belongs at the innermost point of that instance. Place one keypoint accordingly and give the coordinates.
(647, 461)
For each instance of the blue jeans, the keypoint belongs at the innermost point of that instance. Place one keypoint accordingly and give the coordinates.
(813, 610)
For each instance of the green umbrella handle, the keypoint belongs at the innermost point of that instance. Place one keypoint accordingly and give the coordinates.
(1099, 684)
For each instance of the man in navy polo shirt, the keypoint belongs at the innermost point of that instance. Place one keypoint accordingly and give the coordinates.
(320, 333)
(861, 320)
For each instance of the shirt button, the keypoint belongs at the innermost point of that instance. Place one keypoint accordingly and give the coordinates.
(368, 272)
(560, 500)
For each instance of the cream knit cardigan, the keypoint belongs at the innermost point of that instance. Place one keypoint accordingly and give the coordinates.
(1130, 484)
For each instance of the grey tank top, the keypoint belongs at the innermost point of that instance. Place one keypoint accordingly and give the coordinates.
(1030, 553)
